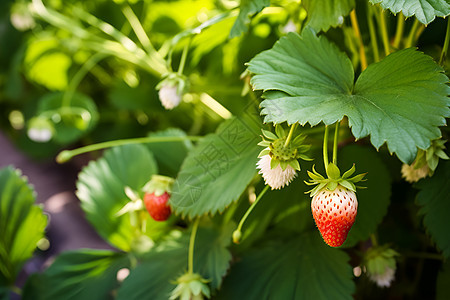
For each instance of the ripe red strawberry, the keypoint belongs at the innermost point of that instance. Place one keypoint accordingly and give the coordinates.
(334, 213)
(157, 206)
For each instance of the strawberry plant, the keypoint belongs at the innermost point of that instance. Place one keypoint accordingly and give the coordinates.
(223, 140)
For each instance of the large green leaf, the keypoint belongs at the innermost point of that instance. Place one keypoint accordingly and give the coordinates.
(329, 13)
(435, 205)
(373, 201)
(301, 268)
(424, 10)
(155, 277)
(401, 100)
(442, 286)
(22, 224)
(248, 8)
(170, 155)
(217, 170)
(101, 185)
(80, 274)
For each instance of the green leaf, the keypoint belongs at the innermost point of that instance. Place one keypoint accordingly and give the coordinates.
(329, 13)
(401, 100)
(424, 10)
(269, 134)
(155, 277)
(22, 224)
(433, 199)
(45, 63)
(442, 286)
(349, 172)
(300, 268)
(248, 8)
(333, 171)
(80, 274)
(217, 170)
(170, 155)
(72, 121)
(101, 185)
(373, 202)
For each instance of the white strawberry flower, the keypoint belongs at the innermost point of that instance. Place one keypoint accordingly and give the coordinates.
(383, 279)
(169, 96)
(276, 178)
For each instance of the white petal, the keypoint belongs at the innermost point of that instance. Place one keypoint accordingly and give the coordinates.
(40, 135)
(169, 96)
(385, 279)
(412, 174)
(276, 178)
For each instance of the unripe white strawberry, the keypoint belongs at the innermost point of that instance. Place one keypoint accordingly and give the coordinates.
(169, 96)
(334, 212)
(276, 178)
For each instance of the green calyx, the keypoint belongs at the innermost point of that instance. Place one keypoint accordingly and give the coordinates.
(191, 286)
(377, 259)
(333, 179)
(431, 156)
(174, 79)
(282, 151)
(159, 185)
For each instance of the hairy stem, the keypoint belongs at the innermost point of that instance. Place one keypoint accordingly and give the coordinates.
(362, 52)
(289, 137)
(184, 56)
(445, 47)
(384, 31)
(249, 210)
(138, 29)
(373, 35)
(78, 77)
(335, 143)
(399, 30)
(413, 34)
(66, 155)
(325, 147)
(191, 247)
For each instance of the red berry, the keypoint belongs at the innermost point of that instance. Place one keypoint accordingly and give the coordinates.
(334, 213)
(157, 206)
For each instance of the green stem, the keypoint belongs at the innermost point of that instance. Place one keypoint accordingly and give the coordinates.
(335, 143)
(373, 239)
(373, 36)
(16, 290)
(410, 40)
(289, 137)
(445, 47)
(138, 29)
(66, 155)
(362, 52)
(249, 210)
(384, 31)
(191, 247)
(184, 56)
(325, 147)
(78, 77)
(399, 30)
